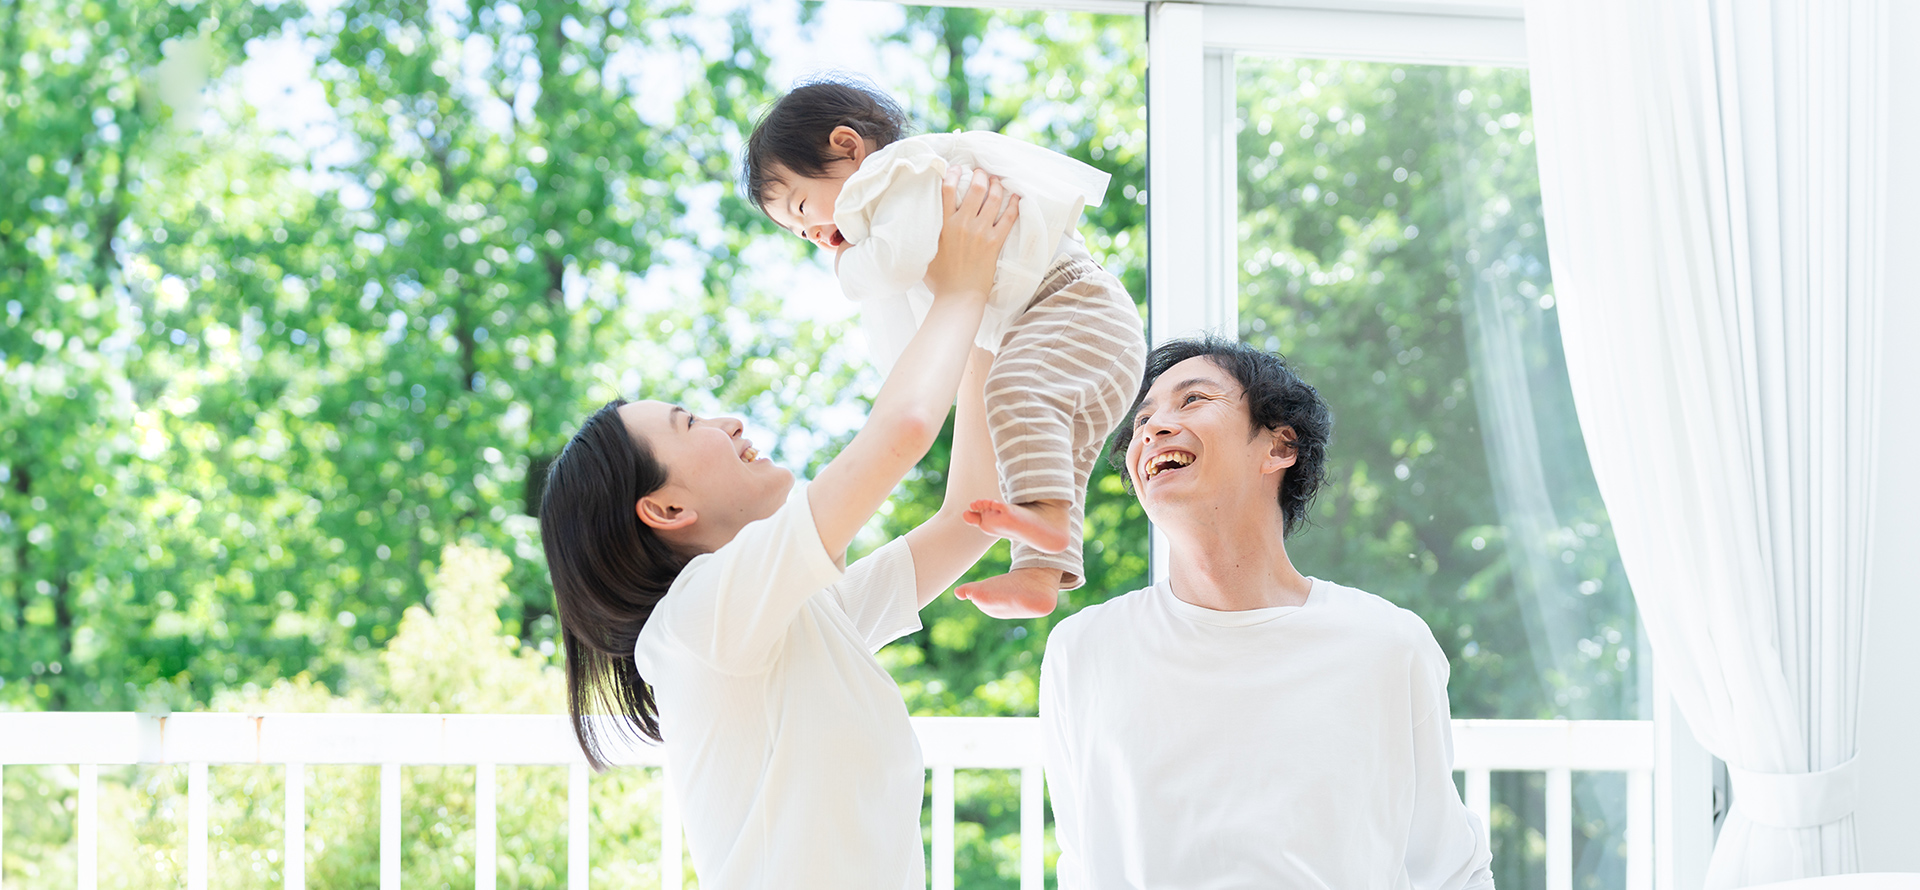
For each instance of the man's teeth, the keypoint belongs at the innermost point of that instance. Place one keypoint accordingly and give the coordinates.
(1167, 462)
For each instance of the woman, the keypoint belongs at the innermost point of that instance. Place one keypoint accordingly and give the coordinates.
(702, 600)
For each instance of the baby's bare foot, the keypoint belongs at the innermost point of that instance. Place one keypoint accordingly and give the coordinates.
(1041, 525)
(1021, 593)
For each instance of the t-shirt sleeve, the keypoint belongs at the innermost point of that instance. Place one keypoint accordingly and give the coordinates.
(904, 233)
(879, 594)
(1447, 846)
(1063, 778)
(732, 607)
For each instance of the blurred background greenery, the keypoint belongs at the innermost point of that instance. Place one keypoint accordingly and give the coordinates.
(298, 297)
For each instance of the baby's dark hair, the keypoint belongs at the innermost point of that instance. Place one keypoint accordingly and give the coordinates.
(792, 135)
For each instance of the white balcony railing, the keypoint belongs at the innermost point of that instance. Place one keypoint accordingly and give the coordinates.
(91, 740)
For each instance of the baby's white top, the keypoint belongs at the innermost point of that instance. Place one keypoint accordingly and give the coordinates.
(890, 210)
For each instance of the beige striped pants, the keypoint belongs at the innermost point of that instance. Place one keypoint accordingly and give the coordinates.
(1068, 368)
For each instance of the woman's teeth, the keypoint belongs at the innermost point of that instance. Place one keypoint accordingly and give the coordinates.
(749, 455)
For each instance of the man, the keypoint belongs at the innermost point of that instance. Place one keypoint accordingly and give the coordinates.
(1243, 725)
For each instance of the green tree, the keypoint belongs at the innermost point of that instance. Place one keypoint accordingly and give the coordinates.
(450, 656)
(1078, 88)
(250, 413)
(1392, 246)
(89, 90)
(255, 380)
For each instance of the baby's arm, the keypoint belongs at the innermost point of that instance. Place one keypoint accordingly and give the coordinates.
(903, 234)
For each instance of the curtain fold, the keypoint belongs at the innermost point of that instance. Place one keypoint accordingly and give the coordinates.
(1711, 174)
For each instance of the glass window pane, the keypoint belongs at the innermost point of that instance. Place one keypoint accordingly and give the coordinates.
(1392, 247)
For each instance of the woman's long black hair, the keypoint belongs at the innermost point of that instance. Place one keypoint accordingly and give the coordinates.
(609, 571)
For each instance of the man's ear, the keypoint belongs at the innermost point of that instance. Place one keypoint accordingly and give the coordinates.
(662, 515)
(845, 141)
(1282, 451)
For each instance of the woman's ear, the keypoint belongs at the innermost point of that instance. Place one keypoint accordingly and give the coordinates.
(847, 142)
(662, 515)
(1282, 452)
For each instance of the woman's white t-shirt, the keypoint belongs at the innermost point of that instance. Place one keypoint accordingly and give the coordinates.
(787, 743)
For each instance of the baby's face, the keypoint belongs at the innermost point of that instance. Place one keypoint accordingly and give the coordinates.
(803, 205)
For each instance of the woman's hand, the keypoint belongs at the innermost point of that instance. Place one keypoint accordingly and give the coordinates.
(911, 406)
(976, 226)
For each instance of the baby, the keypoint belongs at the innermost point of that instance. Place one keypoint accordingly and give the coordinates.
(831, 163)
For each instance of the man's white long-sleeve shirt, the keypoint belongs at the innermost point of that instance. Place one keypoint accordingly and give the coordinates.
(1295, 747)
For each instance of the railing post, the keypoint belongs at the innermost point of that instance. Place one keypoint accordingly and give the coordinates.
(1559, 829)
(485, 858)
(89, 852)
(196, 826)
(1033, 832)
(294, 869)
(671, 866)
(389, 826)
(3, 828)
(1480, 799)
(1640, 829)
(942, 827)
(577, 863)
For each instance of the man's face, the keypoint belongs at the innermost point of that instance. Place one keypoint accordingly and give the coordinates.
(1193, 444)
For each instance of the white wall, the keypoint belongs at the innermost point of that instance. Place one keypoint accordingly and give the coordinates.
(1889, 813)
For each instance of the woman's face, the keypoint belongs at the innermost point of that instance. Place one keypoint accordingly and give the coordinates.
(716, 480)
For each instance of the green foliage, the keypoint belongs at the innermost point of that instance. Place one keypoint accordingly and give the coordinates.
(1377, 200)
(1392, 247)
(87, 93)
(254, 381)
(450, 659)
(253, 390)
(1079, 88)
(251, 394)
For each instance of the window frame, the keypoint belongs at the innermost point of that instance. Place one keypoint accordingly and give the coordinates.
(1191, 46)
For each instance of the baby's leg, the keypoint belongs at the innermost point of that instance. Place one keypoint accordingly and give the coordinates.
(1021, 593)
(1061, 380)
(1040, 524)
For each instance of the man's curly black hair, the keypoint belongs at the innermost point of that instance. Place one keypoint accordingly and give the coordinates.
(1276, 397)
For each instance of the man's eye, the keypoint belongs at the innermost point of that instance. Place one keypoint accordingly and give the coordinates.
(1189, 399)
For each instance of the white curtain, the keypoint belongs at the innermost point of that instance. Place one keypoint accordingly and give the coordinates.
(1711, 174)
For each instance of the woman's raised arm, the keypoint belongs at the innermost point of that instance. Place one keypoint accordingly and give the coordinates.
(912, 404)
(945, 546)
